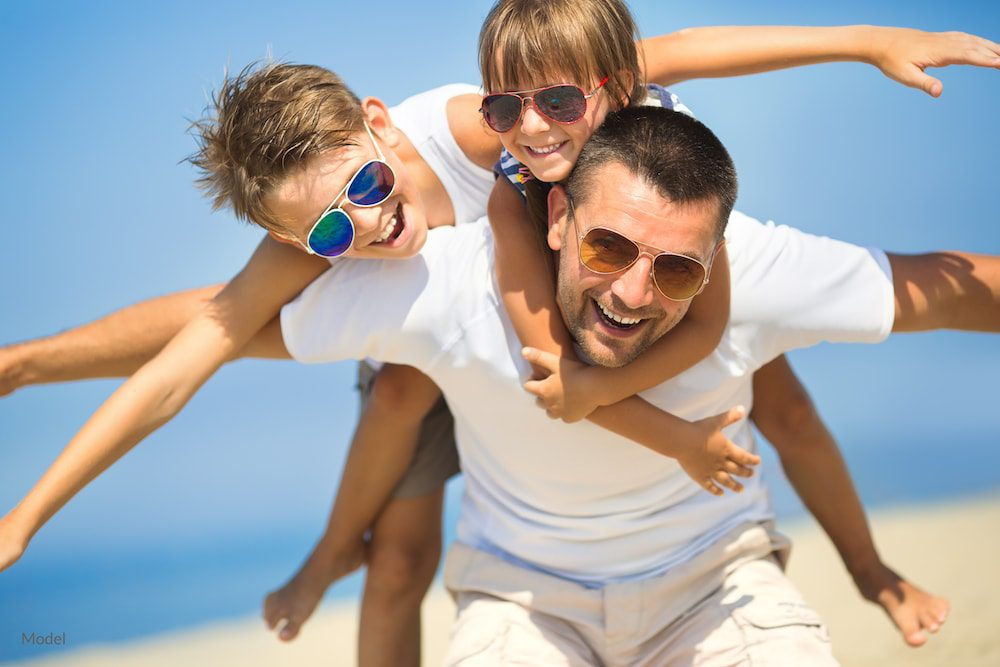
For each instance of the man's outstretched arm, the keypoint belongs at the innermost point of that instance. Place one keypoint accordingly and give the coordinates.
(946, 290)
(811, 459)
(114, 346)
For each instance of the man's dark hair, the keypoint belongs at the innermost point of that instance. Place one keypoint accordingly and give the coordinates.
(676, 154)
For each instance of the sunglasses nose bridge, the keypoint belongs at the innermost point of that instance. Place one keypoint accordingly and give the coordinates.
(635, 283)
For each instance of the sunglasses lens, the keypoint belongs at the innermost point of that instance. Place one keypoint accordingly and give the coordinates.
(333, 234)
(372, 185)
(678, 278)
(501, 112)
(604, 251)
(563, 104)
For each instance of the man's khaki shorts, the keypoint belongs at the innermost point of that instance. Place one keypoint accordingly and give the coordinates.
(731, 605)
(436, 458)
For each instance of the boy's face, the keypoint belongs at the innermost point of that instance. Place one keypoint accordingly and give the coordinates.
(550, 149)
(394, 229)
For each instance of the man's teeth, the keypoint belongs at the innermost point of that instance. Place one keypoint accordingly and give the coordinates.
(627, 321)
(387, 231)
(545, 150)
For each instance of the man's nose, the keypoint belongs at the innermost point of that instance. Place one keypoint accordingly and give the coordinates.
(635, 286)
(533, 122)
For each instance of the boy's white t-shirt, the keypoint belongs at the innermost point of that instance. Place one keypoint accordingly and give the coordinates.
(576, 500)
(423, 118)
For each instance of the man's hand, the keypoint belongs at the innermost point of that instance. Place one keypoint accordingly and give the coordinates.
(567, 390)
(713, 459)
(903, 54)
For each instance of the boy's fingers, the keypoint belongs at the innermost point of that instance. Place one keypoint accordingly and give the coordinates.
(546, 360)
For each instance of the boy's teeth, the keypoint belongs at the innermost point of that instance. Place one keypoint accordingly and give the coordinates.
(387, 231)
(618, 318)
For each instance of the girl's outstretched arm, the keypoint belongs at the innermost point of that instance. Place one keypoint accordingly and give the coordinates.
(901, 54)
(274, 275)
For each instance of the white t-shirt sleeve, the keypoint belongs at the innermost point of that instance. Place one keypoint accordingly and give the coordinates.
(795, 289)
(398, 311)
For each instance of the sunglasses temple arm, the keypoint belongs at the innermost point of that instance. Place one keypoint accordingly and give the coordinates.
(378, 149)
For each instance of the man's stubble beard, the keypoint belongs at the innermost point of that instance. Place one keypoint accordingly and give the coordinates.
(573, 307)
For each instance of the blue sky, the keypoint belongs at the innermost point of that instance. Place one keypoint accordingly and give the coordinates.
(99, 211)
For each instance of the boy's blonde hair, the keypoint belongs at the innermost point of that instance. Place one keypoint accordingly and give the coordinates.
(265, 123)
(523, 41)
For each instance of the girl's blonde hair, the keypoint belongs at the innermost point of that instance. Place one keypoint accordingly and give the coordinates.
(524, 41)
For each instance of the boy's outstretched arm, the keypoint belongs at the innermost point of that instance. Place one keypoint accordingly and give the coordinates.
(158, 390)
(812, 462)
(901, 54)
(114, 346)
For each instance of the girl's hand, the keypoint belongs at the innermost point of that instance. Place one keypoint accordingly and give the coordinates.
(713, 459)
(903, 54)
(570, 391)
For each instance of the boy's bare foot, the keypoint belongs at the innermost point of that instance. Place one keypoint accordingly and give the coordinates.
(914, 611)
(289, 607)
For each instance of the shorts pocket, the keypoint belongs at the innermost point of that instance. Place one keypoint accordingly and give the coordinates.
(783, 633)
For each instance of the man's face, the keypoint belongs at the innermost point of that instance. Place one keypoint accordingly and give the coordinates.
(623, 203)
(394, 229)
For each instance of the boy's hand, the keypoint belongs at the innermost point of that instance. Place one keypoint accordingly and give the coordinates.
(11, 376)
(569, 390)
(713, 459)
(903, 54)
(12, 543)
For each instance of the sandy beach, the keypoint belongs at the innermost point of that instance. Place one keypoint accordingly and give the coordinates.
(951, 549)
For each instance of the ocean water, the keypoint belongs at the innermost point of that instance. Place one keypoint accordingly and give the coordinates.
(102, 598)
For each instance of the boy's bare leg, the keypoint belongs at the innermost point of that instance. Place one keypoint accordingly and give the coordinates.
(404, 553)
(946, 290)
(381, 452)
(114, 346)
(786, 416)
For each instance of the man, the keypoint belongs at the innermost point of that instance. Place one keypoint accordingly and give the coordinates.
(574, 545)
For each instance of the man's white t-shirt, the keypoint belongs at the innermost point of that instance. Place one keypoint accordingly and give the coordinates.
(575, 500)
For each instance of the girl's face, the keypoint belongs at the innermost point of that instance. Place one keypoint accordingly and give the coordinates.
(550, 149)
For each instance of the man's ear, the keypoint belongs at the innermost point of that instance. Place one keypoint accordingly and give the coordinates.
(376, 113)
(558, 216)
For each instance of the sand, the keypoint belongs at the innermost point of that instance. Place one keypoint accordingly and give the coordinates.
(952, 549)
